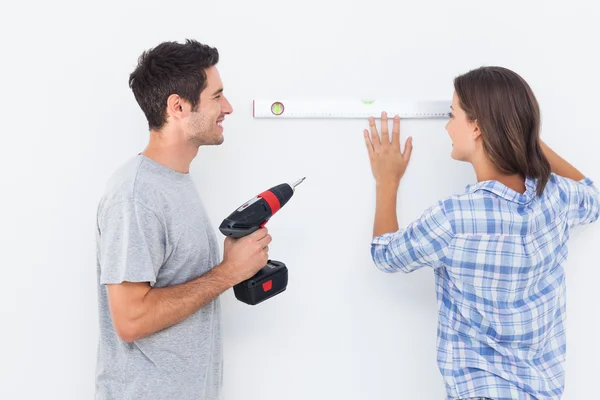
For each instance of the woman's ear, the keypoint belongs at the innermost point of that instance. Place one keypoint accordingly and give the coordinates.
(476, 130)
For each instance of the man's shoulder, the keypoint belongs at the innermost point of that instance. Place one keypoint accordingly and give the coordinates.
(131, 182)
(122, 182)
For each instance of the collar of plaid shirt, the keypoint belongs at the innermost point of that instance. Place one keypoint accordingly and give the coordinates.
(505, 192)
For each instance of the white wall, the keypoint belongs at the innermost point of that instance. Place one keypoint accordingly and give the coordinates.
(342, 329)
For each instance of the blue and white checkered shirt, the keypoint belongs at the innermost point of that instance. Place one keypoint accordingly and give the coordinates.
(498, 258)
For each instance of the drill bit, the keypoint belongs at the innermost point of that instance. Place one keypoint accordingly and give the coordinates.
(299, 181)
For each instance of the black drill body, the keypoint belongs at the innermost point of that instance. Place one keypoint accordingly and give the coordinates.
(249, 217)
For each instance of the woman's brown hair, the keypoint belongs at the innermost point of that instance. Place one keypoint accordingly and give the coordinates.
(508, 116)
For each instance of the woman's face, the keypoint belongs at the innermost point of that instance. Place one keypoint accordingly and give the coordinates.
(463, 133)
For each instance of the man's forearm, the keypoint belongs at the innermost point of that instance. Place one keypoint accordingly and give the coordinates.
(386, 219)
(560, 166)
(163, 307)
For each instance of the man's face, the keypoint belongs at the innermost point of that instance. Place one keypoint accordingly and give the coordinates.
(204, 124)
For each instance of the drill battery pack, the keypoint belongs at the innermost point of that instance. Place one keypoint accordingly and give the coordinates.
(271, 280)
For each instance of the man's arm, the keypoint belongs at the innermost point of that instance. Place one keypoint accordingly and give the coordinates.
(139, 310)
(560, 166)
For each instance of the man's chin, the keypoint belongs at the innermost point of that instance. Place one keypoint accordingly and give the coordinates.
(208, 141)
(217, 141)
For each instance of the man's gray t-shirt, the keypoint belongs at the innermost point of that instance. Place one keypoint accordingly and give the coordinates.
(152, 227)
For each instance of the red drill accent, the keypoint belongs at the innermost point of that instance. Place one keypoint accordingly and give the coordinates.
(267, 286)
(272, 200)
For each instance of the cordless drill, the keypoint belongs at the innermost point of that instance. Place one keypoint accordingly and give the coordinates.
(271, 279)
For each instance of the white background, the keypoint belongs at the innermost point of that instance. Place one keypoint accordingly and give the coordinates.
(342, 330)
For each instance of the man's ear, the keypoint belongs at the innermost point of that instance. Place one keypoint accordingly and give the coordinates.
(177, 107)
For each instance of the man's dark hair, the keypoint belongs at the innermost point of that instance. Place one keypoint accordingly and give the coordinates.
(170, 68)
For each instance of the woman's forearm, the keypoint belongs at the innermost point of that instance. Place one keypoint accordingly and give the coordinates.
(560, 166)
(386, 220)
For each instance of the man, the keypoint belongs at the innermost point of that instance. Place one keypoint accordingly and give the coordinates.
(159, 275)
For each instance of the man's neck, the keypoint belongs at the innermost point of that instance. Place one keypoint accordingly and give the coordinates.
(172, 151)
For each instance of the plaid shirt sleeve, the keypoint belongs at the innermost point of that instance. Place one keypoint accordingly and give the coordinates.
(424, 242)
(584, 202)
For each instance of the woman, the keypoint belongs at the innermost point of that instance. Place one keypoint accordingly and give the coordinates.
(498, 249)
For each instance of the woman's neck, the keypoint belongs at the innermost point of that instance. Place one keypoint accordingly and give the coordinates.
(486, 171)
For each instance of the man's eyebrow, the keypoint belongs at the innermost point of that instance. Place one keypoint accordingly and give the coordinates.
(218, 91)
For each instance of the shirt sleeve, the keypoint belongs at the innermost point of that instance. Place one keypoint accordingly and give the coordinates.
(424, 242)
(132, 243)
(584, 202)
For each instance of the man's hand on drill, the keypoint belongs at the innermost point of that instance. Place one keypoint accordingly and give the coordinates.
(244, 257)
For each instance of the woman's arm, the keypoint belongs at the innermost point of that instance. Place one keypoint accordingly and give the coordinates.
(560, 166)
(388, 164)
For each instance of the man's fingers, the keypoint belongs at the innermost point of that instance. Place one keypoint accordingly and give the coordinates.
(264, 242)
(260, 234)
